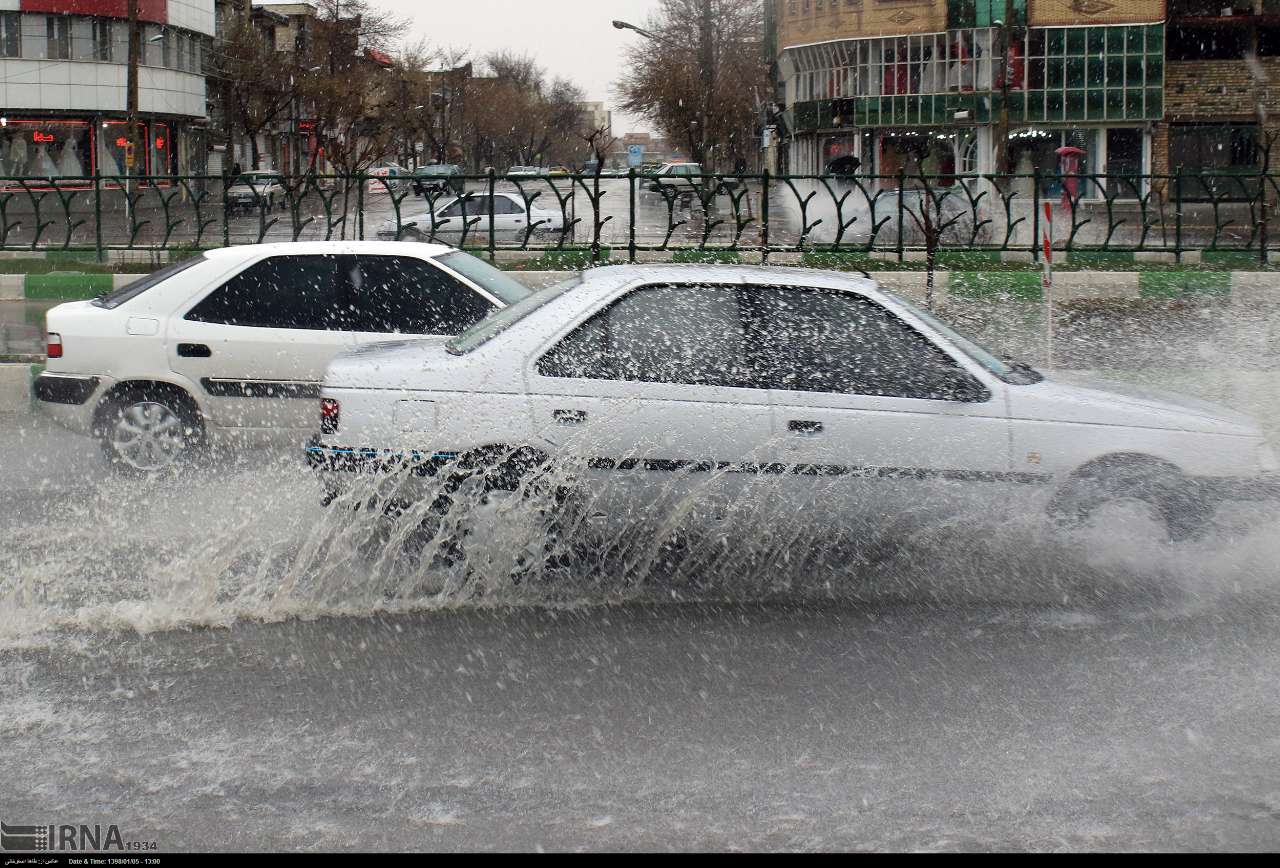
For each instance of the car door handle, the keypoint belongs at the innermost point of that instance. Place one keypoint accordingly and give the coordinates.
(804, 426)
(194, 351)
(569, 417)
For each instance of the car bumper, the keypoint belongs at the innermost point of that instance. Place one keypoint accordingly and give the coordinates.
(69, 399)
(350, 459)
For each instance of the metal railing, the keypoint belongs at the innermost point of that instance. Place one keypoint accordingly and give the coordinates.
(623, 217)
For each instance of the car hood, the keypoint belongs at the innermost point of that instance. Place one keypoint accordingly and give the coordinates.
(1083, 398)
(391, 364)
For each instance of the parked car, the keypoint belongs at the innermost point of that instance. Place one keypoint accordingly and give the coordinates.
(523, 172)
(512, 219)
(256, 189)
(556, 171)
(839, 399)
(438, 179)
(684, 179)
(394, 176)
(235, 341)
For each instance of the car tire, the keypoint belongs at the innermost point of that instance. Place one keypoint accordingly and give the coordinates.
(148, 431)
(1184, 511)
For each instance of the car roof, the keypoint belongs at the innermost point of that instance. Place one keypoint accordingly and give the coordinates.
(611, 276)
(245, 252)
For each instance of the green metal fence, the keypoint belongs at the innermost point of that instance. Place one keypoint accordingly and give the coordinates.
(626, 216)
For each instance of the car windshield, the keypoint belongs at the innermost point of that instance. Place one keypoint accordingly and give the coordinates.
(500, 285)
(260, 180)
(494, 325)
(1011, 372)
(436, 170)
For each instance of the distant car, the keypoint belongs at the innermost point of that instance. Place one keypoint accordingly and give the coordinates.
(512, 219)
(233, 343)
(386, 179)
(556, 171)
(684, 179)
(523, 172)
(819, 393)
(438, 179)
(256, 190)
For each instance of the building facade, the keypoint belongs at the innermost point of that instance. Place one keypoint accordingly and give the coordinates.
(63, 82)
(1137, 86)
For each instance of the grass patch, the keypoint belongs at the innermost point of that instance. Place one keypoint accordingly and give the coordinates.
(1092, 259)
(1237, 259)
(709, 257)
(839, 260)
(968, 260)
(67, 286)
(996, 285)
(1169, 284)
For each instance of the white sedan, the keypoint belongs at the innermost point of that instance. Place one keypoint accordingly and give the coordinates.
(466, 218)
(822, 388)
(234, 342)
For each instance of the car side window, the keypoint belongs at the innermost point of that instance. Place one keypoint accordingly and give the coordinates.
(285, 292)
(475, 206)
(405, 295)
(503, 205)
(668, 334)
(818, 340)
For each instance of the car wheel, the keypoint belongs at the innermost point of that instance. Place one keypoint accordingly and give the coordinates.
(1185, 512)
(150, 431)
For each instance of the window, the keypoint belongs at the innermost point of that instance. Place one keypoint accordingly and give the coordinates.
(816, 340)
(1213, 157)
(102, 39)
(504, 205)
(58, 32)
(668, 334)
(404, 295)
(473, 206)
(10, 34)
(114, 299)
(497, 283)
(288, 292)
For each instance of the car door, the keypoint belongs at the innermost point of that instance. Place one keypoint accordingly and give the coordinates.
(879, 427)
(405, 296)
(258, 344)
(465, 219)
(647, 396)
(509, 218)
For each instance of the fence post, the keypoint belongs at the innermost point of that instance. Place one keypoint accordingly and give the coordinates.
(491, 213)
(1035, 215)
(360, 182)
(1177, 215)
(226, 214)
(764, 217)
(97, 213)
(1262, 229)
(631, 231)
(902, 182)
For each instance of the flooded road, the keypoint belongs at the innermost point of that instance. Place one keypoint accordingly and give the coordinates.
(203, 663)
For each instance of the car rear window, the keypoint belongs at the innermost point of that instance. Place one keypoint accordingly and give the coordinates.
(117, 297)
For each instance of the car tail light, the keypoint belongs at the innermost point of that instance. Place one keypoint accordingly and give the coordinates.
(329, 412)
(53, 348)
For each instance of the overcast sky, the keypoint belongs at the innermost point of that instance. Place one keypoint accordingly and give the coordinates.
(569, 38)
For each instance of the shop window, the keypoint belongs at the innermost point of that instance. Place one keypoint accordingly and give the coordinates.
(44, 149)
(10, 34)
(103, 31)
(58, 37)
(1212, 157)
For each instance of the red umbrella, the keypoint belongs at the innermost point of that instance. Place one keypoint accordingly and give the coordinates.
(1069, 161)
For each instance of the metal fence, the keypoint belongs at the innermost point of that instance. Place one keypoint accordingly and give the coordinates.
(621, 217)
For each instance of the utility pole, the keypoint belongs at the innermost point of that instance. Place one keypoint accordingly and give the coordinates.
(1002, 124)
(133, 152)
(707, 60)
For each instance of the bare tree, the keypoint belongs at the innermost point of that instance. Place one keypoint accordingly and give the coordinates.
(687, 45)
